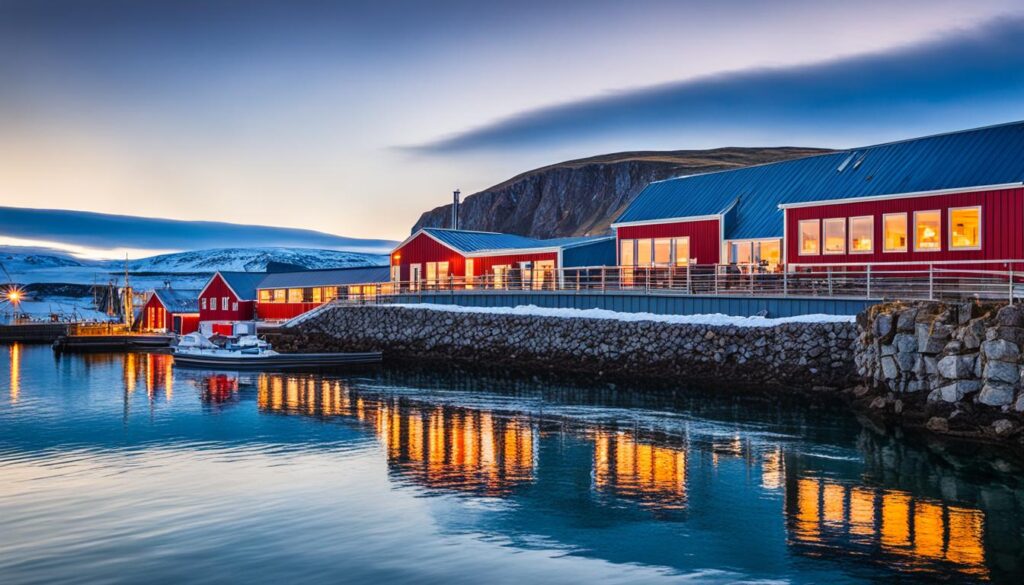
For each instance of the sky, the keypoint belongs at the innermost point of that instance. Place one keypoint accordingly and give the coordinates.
(352, 118)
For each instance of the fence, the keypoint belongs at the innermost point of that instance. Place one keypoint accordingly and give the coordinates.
(985, 280)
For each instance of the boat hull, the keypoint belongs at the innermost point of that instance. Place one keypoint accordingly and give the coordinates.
(286, 361)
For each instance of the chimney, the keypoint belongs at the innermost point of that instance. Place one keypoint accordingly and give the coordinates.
(455, 209)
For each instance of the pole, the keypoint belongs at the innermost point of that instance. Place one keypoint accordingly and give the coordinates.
(931, 282)
(868, 291)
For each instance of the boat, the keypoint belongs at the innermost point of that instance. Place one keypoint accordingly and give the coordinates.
(248, 352)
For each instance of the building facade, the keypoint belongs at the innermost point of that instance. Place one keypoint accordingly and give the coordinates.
(170, 310)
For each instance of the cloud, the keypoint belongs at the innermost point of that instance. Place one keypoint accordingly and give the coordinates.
(965, 69)
(103, 231)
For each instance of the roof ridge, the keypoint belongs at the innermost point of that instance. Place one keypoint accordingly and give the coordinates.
(938, 135)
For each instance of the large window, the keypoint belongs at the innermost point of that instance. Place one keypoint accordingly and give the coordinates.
(927, 228)
(643, 252)
(627, 257)
(835, 235)
(396, 273)
(224, 303)
(264, 296)
(862, 234)
(743, 252)
(500, 275)
(770, 252)
(965, 228)
(295, 295)
(662, 251)
(469, 272)
(280, 295)
(894, 232)
(318, 295)
(682, 249)
(810, 237)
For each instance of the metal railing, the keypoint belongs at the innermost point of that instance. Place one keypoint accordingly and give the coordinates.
(985, 280)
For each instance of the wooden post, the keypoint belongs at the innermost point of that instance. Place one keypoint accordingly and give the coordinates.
(603, 269)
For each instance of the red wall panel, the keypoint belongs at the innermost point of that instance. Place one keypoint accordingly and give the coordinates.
(283, 311)
(1002, 227)
(484, 264)
(218, 289)
(705, 236)
(422, 249)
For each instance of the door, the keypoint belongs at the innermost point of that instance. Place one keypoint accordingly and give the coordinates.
(415, 275)
(544, 275)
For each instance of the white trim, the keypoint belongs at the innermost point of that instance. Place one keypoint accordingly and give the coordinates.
(511, 252)
(916, 248)
(949, 229)
(721, 239)
(849, 235)
(909, 195)
(429, 235)
(846, 232)
(800, 238)
(785, 224)
(907, 226)
(668, 220)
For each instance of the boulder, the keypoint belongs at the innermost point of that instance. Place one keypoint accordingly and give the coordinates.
(1004, 372)
(890, 371)
(1000, 349)
(905, 321)
(932, 338)
(883, 326)
(1010, 316)
(995, 394)
(1003, 427)
(956, 367)
(937, 424)
(956, 391)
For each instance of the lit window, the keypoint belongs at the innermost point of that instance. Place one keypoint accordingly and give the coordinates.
(264, 296)
(770, 252)
(280, 295)
(626, 255)
(662, 251)
(330, 293)
(469, 273)
(643, 252)
(926, 231)
(396, 273)
(318, 295)
(894, 232)
(742, 252)
(965, 228)
(295, 295)
(442, 272)
(500, 275)
(835, 235)
(862, 234)
(809, 237)
(682, 246)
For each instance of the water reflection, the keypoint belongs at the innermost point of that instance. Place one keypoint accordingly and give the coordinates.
(892, 527)
(678, 486)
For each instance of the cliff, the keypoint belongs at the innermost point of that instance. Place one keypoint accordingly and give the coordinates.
(584, 196)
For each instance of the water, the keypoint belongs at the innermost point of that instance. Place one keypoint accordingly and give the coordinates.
(120, 468)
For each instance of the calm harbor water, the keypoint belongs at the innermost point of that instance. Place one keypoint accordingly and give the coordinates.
(121, 468)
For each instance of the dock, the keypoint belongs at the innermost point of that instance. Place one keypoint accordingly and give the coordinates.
(32, 332)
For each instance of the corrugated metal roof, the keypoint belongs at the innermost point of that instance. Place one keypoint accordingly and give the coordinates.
(970, 158)
(244, 283)
(467, 241)
(178, 300)
(332, 277)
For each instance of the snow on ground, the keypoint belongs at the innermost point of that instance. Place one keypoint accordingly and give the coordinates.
(68, 308)
(716, 319)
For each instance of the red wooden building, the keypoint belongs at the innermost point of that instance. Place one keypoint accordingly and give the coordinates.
(229, 297)
(284, 295)
(442, 258)
(170, 310)
(949, 198)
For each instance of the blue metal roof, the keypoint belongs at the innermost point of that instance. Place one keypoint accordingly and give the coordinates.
(330, 277)
(244, 283)
(466, 241)
(992, 155)
(178, 300)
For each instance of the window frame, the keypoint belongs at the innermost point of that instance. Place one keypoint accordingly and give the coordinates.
(849, 234)
(224, 303)
(939, 235)
(906, 223)
(675, 250)
(800, 237)
(949, 231)
(632, 247)
(846, 234)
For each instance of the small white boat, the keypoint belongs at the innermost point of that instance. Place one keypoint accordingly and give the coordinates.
(249, 352)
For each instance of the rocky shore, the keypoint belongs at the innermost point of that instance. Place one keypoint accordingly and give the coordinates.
(954, 369)
(790, 355)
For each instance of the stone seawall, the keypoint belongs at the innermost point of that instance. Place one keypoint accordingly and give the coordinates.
(792, 355)
(957, 366)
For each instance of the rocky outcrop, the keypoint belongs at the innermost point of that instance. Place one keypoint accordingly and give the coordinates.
(954, 360)
(582, 197)
(792, 355)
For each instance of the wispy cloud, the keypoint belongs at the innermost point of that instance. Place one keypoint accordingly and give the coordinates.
(967, 68)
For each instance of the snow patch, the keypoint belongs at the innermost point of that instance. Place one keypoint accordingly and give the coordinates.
(715, 319)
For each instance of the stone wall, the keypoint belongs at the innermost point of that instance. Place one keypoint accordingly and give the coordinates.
(793, 355)
(966, 354)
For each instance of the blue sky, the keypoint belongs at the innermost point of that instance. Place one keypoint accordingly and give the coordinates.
(353, 118)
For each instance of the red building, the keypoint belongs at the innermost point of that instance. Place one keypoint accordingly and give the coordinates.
(442, 258)
(949, 198)
(229, 297)
(284, 295)
(170, 310)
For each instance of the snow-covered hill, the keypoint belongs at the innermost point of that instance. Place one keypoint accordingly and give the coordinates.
(250, 260)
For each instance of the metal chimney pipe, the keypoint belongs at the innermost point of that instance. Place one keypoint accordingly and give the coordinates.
(455, 209)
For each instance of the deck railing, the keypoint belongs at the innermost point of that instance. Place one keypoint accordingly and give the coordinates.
(984, 280)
